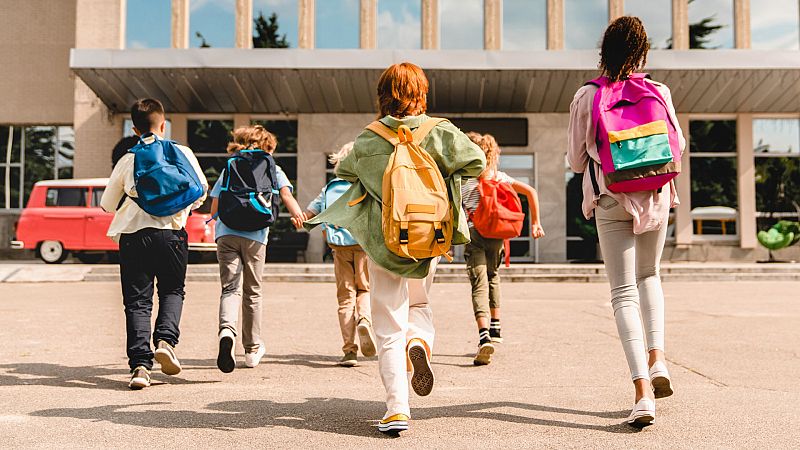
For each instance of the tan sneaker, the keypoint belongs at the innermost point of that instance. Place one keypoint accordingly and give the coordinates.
(366, 338)
(350, 359)
(140, 378)
(421, 373)
(484, 356)
(165, 355)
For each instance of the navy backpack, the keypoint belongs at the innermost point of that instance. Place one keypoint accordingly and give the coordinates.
(165, 180)
(248, 199)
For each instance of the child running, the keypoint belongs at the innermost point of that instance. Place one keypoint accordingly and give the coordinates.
(483, 254)
(241, 255)
(631, 219)
(151, 247)
(400, 285)
(350, 268)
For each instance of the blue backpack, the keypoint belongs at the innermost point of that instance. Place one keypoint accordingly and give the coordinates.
(336, 235)
(165, 180)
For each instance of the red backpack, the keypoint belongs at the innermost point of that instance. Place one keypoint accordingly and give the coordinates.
(499, 213)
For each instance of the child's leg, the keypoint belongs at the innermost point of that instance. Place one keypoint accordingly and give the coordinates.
(475, 255)
(493, 248)
(420, 316)
(136, 276)
(230, 276)
(170, 255)
(389, 298)
(343, 268)
(360, 262)
(253, 255)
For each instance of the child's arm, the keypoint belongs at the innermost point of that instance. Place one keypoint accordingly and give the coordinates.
(291, 205)
(533, 205)
(214, 206)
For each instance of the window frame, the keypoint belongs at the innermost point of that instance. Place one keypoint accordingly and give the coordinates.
(774, 215)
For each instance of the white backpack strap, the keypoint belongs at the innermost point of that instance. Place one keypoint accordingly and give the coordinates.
(383, 131)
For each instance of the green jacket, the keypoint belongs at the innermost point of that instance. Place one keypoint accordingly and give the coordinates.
(455, 154)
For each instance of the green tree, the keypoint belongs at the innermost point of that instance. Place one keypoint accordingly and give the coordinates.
(700, 32)
(266, 32)
(203, 42)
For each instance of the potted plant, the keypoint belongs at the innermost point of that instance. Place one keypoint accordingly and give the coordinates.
(783, 234)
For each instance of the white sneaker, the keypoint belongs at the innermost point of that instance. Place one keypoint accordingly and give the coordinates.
(366, 338)
(226, 360)
(659, 378)
(643, 414)
(251, 360)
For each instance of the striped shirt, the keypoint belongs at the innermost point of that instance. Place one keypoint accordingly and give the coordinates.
(471, 196)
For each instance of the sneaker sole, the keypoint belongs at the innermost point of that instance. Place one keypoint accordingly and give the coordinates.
(642, 421)
(484, 356)
(169, 365)
(366, 342)
(137, 384)
(225, 361)
(393, 427)
(497, 340)
(422, 379)
(347, 363)
(662, 387)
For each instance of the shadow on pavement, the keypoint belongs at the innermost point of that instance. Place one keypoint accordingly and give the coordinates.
(330, 415)
(87, 377)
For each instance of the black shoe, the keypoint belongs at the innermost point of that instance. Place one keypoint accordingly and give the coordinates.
(225, 358)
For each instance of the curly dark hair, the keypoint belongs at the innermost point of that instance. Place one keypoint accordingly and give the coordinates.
(624, 48)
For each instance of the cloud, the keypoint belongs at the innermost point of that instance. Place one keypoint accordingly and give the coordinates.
(584, 22)
(138, 45)
(461, 24)
(227, 5)
(398, 27)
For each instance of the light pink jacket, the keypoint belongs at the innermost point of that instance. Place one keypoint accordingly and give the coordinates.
(649, 209)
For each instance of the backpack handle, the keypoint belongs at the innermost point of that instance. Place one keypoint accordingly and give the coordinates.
(145, 135)
(404, 134)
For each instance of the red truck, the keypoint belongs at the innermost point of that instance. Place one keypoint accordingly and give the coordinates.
(64, 216)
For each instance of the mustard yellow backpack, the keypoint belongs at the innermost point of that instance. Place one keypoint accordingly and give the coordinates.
(417, 219)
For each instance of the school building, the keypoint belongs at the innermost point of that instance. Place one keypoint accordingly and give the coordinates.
(72, 68)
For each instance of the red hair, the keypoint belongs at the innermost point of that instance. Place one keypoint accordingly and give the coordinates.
(402, 91)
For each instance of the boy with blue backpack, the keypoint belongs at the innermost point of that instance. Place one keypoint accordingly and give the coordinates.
(350, 268)
(151, 192)
(246, 203)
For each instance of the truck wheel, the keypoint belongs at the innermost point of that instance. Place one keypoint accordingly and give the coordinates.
(52, 252)
(89, 258)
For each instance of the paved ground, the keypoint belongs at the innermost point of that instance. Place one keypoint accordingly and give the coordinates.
(559, 381)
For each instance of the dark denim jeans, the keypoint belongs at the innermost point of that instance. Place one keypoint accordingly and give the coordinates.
(144, 256)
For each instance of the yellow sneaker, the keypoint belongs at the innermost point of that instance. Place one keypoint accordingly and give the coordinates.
(393, 424)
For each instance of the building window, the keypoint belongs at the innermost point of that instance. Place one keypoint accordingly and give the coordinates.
(37, 153)
(713, 176)
(584, 23)
(208, 139)
(657, 18)
(524, 25)
(776, 26)
(147, 24)
(461, 24)
(776, 145)
(337, 24)
(400, 24)
(212, 24)
(711, 24)
(275, 23)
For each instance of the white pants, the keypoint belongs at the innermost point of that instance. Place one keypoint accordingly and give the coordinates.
(400, 312)
(632, 263)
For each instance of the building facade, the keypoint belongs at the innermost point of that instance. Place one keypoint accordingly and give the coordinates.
(508, 67)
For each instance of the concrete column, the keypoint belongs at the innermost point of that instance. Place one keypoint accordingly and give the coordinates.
(746, 170)
(741, 27)
(548, 139)
(616, 8)
(244, 23)
(492, 24)
(430, 24)
(305, 24)
(180, 129)
(180, 23)
(683, 212)
(98, 24)
(555, 24)
(368, 31)
(680, 24)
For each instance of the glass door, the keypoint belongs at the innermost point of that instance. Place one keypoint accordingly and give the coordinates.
(521, 167)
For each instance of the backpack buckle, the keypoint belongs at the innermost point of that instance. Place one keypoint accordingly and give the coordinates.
(403, 236)
(439, 235)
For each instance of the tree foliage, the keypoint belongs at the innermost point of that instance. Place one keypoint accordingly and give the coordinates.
(266, 32)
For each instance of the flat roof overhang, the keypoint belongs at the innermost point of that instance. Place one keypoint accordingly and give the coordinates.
(288, 81)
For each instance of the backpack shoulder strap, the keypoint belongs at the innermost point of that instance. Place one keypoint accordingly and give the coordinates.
(423, 130)
(383, 131)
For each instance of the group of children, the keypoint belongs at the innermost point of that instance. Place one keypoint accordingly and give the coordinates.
(384, 292)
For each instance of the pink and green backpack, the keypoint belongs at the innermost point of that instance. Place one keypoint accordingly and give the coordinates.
(637, 142)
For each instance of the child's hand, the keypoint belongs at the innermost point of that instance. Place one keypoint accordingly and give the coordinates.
(537, 231)
(298, 223)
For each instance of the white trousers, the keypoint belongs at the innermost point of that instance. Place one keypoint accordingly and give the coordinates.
(400, 312)
(632, 263)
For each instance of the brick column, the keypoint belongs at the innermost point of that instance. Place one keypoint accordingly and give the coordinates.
(683, 212)
(430, 24)
(180, 23)
(305, 24)
(741, 27)
(745, 171)
(492, 24)
(555, 24)
(680, 24)
(368, 34)
(244, 23)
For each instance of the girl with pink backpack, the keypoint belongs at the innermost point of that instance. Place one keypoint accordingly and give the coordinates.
(624, 135)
